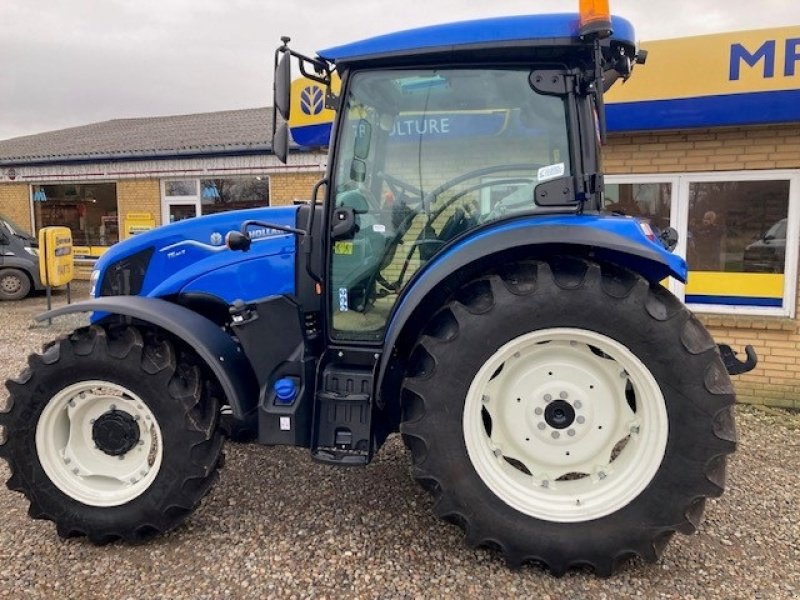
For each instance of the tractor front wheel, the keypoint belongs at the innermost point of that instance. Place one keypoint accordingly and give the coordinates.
(568, 413)
(112, 434)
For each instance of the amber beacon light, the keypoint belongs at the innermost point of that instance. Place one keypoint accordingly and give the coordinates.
(595, 18)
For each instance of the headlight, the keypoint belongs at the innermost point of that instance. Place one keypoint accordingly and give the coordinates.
(93, 282)
(33, 251)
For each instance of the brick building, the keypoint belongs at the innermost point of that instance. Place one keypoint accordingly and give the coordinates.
(704, 138)
(107, 180)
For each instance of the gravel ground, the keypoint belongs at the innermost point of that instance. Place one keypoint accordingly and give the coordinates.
(279, 525)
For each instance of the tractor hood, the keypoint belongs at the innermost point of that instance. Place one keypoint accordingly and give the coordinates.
(191, 257)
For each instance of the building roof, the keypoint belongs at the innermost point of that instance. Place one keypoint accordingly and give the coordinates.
(215, 133)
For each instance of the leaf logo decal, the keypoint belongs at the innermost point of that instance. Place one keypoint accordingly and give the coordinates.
(311, 100)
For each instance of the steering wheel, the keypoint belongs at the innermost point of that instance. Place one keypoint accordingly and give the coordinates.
(430, 198)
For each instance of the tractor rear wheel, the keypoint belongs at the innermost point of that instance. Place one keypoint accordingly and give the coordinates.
(111, 434)
(568, 413)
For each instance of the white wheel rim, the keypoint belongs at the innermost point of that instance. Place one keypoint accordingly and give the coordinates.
(594, 466)
(73, 462)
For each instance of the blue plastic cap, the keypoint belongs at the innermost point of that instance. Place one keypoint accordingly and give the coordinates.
(285, 391)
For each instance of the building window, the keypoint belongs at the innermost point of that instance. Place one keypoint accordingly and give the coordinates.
(736, 244)
(739, 235)
(187, 198)
(181, 188)
(218, 195)
(88, 209)
(650, 201)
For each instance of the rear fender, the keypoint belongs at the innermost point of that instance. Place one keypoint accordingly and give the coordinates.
(223, 356)
(613, 239)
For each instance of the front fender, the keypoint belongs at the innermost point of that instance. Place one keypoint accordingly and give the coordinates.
(612, 238)
(216, 348)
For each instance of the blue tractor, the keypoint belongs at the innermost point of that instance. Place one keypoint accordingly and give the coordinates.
(454, 279)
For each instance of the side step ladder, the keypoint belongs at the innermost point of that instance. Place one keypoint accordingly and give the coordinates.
(342, 432)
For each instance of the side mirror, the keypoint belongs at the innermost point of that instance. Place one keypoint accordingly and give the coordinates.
(669, 238)
(280, 141)
(236, 240)
(283, 85)
(358, 170)
(363, 138)
(344, 223)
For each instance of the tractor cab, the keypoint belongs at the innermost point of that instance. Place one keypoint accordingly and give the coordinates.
(437, 136)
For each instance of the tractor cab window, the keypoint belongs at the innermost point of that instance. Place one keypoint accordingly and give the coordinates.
(424, 156)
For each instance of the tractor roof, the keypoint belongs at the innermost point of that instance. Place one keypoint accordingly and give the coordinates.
(503, 32)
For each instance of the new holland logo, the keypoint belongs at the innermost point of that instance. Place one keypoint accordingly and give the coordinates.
(312, 101)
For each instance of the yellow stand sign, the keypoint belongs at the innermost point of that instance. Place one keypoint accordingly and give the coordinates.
(56, 261)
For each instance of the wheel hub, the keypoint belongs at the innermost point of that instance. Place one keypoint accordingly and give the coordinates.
(559, 414)
(10, 284)
(115, 433)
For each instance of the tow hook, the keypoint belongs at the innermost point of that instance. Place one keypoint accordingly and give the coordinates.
(735, 366)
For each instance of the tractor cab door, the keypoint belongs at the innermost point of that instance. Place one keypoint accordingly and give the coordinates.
(423, 156)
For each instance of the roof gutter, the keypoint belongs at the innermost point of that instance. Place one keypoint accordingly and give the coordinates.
(82, 159)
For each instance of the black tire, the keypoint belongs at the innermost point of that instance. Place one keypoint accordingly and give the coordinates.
(173, 388)
(569, 292)
(14, 284)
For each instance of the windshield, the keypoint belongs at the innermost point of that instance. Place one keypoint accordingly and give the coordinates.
(13, 229)
(777, 231)
(425, 155)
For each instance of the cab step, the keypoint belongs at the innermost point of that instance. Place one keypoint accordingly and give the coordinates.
(343, 417)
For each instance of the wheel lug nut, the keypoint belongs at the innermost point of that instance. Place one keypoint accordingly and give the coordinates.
(547, 397)
(75, 471)
(541, 425)
(67, 461)
(564, 395)
(538, 411)
(601, 475)
(578, 404)
(121, 457)
(555, 435)
(570, 432)
(581, 420)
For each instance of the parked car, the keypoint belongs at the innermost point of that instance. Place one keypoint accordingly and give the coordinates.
(768, 253)
(19, 262)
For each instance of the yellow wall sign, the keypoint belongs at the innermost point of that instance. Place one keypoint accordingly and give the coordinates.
(138, 222)
(726, 79)
(56, 265)
(310, 121)
(741, 62)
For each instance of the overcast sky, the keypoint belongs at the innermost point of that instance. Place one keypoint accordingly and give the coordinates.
(68, 63)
